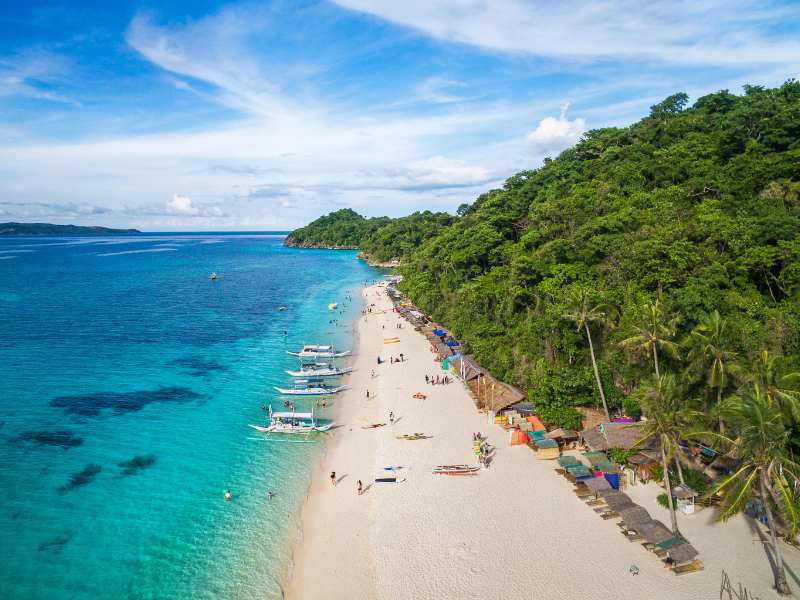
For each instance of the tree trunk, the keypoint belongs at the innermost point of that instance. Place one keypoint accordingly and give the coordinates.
(673, 517)
(680, 470)
(719, 401)
(655, 360)
(781, 585)
(596, 373)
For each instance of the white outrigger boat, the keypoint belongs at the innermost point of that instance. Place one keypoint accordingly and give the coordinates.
(292, 422)
(321, 372)
(315, 351)
(312, 389)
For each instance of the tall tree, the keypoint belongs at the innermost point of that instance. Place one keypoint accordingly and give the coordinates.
(654, 333)
(709, 353)
(669, 420)
(759, 439)
(582, 311)
(779, 388)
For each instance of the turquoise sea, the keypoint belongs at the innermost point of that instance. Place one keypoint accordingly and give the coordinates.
(128, 380)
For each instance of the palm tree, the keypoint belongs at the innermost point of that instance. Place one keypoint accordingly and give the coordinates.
(759, 440)
(668, 421)
(708, 353)
(655, 333)
(778, 388)
(582, 312)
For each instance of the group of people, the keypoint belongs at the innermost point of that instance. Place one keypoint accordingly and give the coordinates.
(359, 485)
(437, 379)
(483, 449)
(392, 359)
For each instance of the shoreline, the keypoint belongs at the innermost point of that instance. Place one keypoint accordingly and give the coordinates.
(514, 531)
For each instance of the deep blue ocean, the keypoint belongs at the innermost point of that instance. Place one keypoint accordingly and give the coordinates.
(128, 379)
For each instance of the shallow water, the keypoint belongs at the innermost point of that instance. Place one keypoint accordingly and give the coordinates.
(128, 381)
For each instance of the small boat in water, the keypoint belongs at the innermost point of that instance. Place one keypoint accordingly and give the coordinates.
(333, 306)
(213, 276)
(312, 389)
(320, 372)
(316, 351)
(292, 422)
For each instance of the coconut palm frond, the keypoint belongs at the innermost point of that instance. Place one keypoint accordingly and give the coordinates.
(736, 497)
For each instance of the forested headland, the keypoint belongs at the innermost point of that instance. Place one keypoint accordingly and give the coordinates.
(669, 248)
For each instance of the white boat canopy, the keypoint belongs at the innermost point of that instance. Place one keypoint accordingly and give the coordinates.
(291, 415)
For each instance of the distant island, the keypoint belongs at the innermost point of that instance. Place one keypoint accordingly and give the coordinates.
(60, 230)
(382, 241)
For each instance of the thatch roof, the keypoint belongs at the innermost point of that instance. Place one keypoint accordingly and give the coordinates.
(655, 532)
(618, 501)
(597, 483)
(682, 553)
(487, 391)
(635, 515)
(612, 435)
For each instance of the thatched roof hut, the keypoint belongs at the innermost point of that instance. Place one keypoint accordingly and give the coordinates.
(682, 553)
(612, 435)
(635, 516)
(655, 532)
(617, 500)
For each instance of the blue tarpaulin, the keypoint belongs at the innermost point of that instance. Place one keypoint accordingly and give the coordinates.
(452, 343)
(439, 332)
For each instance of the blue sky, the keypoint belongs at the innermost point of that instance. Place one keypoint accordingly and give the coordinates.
(263, 115)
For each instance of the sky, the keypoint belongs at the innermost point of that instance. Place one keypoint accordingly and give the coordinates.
(178, 115)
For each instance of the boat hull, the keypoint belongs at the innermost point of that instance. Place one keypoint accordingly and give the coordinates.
(310, 392)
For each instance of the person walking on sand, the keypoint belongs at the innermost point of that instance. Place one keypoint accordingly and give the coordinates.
(427, 379)
(333, 478)
(367, 394)
(360, 487)
(391, 418)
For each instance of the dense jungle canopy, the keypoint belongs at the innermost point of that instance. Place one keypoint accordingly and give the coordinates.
(635, 231)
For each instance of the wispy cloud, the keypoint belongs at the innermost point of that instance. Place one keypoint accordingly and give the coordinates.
(31, 73)
(709, 32)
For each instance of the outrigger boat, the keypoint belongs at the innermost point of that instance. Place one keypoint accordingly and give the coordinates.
(316, 351)
(311, 390)
(323, 371)
(456, 469)
(292, 422)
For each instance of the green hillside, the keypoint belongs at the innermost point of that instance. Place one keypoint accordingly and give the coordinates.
(654, 226)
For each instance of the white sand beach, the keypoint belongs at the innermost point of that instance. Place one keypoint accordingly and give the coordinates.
(516, 530)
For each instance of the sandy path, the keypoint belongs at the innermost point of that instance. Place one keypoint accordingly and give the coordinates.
(514, 531)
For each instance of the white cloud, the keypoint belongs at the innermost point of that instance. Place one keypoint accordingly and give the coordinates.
(555, 134)
(439, 90)
(181, 205)
(712, 32)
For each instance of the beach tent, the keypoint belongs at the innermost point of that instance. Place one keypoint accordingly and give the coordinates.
(547, 449)
(536, 423)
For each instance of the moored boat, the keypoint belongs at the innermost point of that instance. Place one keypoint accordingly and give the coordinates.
(316, 352)
(311, 390)
(320, 372)
(292, 422)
